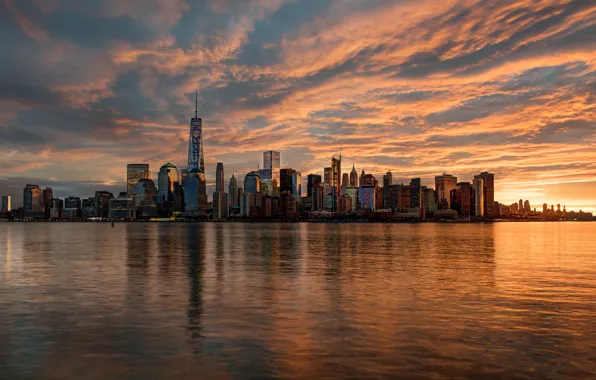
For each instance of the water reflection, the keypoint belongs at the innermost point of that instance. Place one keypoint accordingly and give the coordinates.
(297, 301)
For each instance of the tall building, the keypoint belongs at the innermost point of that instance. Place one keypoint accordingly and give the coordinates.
(463, 196)
(336, 182)
(72, 203)
(145, 193)
(47, 201)
(367, 197)
(527, 208)
(415, 193)
(345, 182)
(327, 174)
(219, 178)
(297, 185)
(252, 183)
(168, 180)
(5, 205)
(286, 181)
(353, 176)
(135, 172)
(233, 192)
(195, 185)
(478, 186)
(520, 206)
(270, 172)
(102, 203)
(489, 194)
(443, 186)
(312, 181)
(387, 182)
(32, 201)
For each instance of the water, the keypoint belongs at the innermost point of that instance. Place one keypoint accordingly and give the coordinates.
(298, 301)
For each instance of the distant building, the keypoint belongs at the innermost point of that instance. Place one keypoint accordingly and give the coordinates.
(233, 192)
(463, 198)
(135, 172)
(102, 202)
(145, 193)
(195, 193)
(5, 204)
(56, 210)
(353, 177)
(312, 181)
(270, 175)
(122, 208)
(220, 205)
(478, 186)
(47, 201)
(415, 193)
(443, 186)
(489, 194)
(32, 202)
(219, 177)
(168, 182)
(72, 202)
(387, 182)
(367, 196)
(252, 183)
(336, 183)
(327, 174)
(352, 195)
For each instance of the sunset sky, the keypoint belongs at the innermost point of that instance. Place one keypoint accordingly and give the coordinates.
(417, 87)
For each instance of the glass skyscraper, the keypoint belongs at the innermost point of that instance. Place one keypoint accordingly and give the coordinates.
(270, 172)
(195, 187)
(167, 180)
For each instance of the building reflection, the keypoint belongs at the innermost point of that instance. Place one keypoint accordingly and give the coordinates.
(195, 268)
(138, 238)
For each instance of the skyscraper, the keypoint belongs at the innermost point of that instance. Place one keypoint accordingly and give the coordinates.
(47, 201)
(327, 174)
(233, 192)
(313, 180)
(443, 186)
(195, 186)
(353, 176)
(478, 186)
(489, 194)
(167, 181)
(32, 201)
(270, 172)
(219, 178)
(415, 193)
(5, 205)
(135, 172)
(336, 182)
(297, 185)
(252, 183)
(102, 203)
(387, 182)
(345, 182)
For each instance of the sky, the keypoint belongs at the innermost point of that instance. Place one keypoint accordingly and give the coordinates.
(415, 87)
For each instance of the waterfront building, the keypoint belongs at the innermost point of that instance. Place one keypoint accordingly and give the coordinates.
(520, 206)
(135, 172)
(478, 186)
(489, 194)
(88, 208)
(220, 205)
(394, 197)
(443, 186)
(415, 192)
(47, 195)
(545, 208)
(72, 202)
(56, 210)
(168, 181)
(32, 201)
(368, 179)
(387, 182)
(5, 204)
(318, 197)
(367, 197)
(122, 208)
(463, 199)
(527, 208)
(429, 200)
(353, 176)
(102, 202)
(195, 185)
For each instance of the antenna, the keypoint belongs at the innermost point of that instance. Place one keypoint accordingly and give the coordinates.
(196, 105)
(340, 149)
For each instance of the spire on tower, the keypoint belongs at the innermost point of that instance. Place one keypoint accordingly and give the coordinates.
(196, 105)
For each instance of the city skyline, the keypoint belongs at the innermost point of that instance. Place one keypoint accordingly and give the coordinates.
(444, 91)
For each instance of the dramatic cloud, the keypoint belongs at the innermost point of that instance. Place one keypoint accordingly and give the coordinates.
(417, 87)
